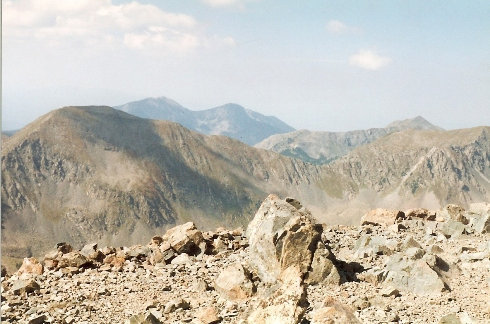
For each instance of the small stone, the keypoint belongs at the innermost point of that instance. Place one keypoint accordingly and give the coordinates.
(30, 266)
(234, 283)
(157, 240)
(64, 247)
(20, 287)
(381, 216)
(181, 259)
(389, 291)
(69, 320)
(208, 315)
(144, 318)
(37, 319)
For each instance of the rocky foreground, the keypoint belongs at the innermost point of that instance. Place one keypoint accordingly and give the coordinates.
(416, 266)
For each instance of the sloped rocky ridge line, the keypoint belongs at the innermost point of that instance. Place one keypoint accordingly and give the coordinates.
(324, 147)
(413, 266)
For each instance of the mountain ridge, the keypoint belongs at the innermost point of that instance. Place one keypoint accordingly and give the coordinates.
(231, 119)
(81, 174)
(323, 147)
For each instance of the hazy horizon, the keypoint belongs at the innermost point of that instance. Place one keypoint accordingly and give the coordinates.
(321, 65)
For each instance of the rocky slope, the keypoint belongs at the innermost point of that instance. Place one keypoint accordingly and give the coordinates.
(86, 173)
(230, 120)
(325, 147)
(417, 266)
(411, 168)
(81, 174)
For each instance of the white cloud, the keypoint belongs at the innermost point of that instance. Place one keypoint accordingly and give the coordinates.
(135, 25)
(226, 3)
(338, 27)
(369, 60)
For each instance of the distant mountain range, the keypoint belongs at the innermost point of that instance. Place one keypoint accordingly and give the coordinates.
(82, 174)
(231, 120)
(325, 147)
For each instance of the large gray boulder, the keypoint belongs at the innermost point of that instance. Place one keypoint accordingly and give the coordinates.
(282, 234)
(420, 273)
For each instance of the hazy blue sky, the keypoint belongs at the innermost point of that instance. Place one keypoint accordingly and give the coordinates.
(322, 65)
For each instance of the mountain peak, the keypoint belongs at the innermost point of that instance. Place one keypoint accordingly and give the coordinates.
(417, 122)
(231, 119)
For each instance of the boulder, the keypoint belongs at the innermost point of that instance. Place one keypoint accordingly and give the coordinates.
(420, 213)
(410, 242)
(479, 222)
(418, 272)
(280, 235)
(144, 318)
(287, 305)
(30, 266)
(168, 254)
(64, 247)
(37, 319)
(91, 252)
(184, 238)
(368, 245)
(21, 287)
(480, 208)
(234, 283)
(452, 228)
(383, 217)
(333, 312)
(73, 259)
(323, 269)
(460, 318)
(138, 252)
(208, 315)
(455, 213)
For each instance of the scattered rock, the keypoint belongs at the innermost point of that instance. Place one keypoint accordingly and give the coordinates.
(383, 217)
(144, 318)
(323, 268)
(333, 312)
(30, 266)
(37, 319)
(208, 315)
(21, 287)
(287, 304)
(184, 238)
(452, 228)
(73, 259)
(234, 283)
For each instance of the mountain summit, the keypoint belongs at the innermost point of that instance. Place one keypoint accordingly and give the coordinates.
(230, 120)
(325, 147)
(418, 122)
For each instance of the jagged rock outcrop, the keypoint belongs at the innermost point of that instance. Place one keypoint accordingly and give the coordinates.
(284, 234)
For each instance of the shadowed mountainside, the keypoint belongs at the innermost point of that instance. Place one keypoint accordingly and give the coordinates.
(94, 173)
